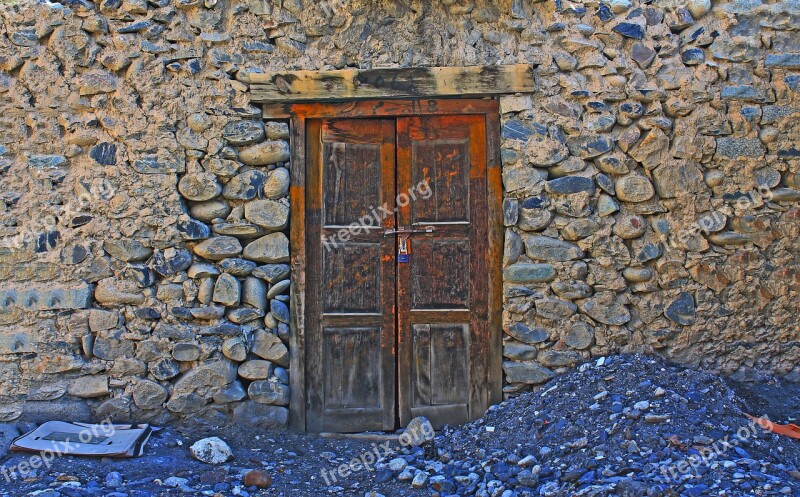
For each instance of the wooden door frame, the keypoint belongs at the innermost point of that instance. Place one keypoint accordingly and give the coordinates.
(298, 114)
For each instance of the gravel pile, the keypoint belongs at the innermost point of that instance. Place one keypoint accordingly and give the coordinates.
(623, 425)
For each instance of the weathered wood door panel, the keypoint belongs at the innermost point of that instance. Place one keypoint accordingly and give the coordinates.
(443, 290)
(390, 338)
(350, 275)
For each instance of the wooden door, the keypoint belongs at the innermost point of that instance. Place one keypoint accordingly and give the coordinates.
(390, 338)
(350, 276)
(443, 289)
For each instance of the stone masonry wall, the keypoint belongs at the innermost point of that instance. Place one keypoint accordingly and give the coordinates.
(651, 189)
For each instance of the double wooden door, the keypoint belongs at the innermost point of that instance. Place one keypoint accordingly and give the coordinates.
(397, 276)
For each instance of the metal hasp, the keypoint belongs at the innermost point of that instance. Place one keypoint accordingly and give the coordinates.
(401, 230)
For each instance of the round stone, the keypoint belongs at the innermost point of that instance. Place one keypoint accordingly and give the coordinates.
(629, 227)
(638, 274)
(698, 8)
(199, 186)
(218, 248)
(211, 451)
(257, 478)
(245, 186)
(210, 210)
(269, 392)
(268, 214)
(580, 336)
(243, 132)
(277, 185)
(634, 188)
(767, 177)
(234, 349)
(265, 153)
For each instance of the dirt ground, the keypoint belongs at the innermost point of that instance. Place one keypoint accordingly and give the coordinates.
(294, 460)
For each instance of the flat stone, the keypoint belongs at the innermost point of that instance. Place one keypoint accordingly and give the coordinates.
(570, 184)
(588, 146)
(227, 290)
(785, 60)
(224, 168)
(171, 261)
(634, 188)
(529, 273)
(237, 267)
(693, 56)
(202, 270)
(210, 210)
(544, 151)
(269, 347)
(629, 30)
(148, 394)
(525, 334)
(240, 229)
(678, 179)
(571, 290)
(272, 248)
(111, 291)
(603, 308)
(164, 369)
(580, 229)
(243, 132)
(199, 186)
(269, 392)
(100, 320)
(548, 249)
(265, 153)
(643, 55)
(126, 250)
(529, 373)
(262, 416)
(518, 351)
(559, 358)
(277, 184)
(515, 129)
(256, 369)
(279, 288)
(245, 315)
(682, 310)
(193, 230)
(736, 148)
(218, 248)
(245, 185)
(638, 274)
(746, 93)
(614, 163)
(268, 214)
(230, 393)
(186, 352)
(104, 153)
(273, 273)
(551, 308)
(652, 150)
(88, 387)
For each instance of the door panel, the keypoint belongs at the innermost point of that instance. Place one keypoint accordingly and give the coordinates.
(389, 340)
(351, 274)
(443, 289)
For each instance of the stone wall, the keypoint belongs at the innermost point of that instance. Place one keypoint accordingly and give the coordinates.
(651, 189)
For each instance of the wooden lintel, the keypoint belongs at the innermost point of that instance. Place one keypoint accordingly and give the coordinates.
(349, 84)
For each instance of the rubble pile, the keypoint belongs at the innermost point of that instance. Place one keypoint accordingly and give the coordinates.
(621, 425)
